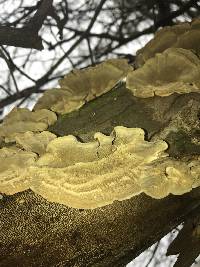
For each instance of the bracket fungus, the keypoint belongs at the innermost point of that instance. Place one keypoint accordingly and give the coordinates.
(13, 169)
(21, 120)
(60, 101)
(34, 142)
(80, 86)
(183, 35)
(67, 150)
(174, 70)
(94, 174)
(116, 167)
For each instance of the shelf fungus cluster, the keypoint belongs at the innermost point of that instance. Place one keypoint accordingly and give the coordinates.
(184, 35)
(115, 167)
(169, 63)
(91, 175)
(176, 70)
(81, 86)
(21, 120)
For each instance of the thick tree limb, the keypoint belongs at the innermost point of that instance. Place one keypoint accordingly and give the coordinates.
(188, 237)
(34, 232)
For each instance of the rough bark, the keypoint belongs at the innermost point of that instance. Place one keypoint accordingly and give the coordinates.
(34, 232)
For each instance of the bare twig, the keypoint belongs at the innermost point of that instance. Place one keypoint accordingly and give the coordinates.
(14, 66)
(10, 67)
(24, 93)
(90, 51)
(43, 80)
(5, 90)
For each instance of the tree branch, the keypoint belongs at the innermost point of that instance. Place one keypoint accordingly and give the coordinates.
(43, 11)
(43, 80)
(21, 37)
(27, 37)
(37, 232)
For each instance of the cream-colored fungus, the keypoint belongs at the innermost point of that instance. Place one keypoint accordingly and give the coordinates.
(176, 70)
(184, 35)
(91, 175)
(80, 86)
(21, 120)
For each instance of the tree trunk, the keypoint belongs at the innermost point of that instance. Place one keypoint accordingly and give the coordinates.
(35, 232)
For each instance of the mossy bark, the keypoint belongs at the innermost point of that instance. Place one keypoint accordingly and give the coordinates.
(35, 232)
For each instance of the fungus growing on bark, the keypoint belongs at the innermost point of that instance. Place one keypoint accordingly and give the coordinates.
(89, 181)
(94, 174)
(60, 101)
(21, 120)
(94, 81)
(174, 70)
(183, 35)
(13, 169)
(67, 150)
(105, 144)
(131, 166)
(166, 176)
(34, 142)
(80, 86)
